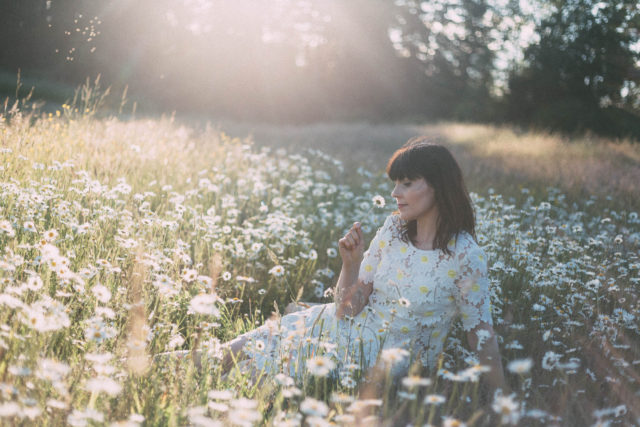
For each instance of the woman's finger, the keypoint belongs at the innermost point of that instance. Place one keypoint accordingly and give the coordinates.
(346, 243)
(359, 232)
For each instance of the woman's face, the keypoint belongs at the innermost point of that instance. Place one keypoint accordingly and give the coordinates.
(415, 198)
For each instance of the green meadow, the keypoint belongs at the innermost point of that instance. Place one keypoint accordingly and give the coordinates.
(123, 237)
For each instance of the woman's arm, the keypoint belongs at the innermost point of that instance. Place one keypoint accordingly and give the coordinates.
(488, 353)
(351, 293)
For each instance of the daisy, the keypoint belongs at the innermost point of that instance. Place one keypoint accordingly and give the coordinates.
(507, 408)
(101, 293)
(244, 417)
(30, 226)
(394, 355)
(320, 366)
(550, 360)
(277, 271)
(313, 407)
(50, 235)
(189, 275)
(103, 385)
(220, 394)
(347, 381)
(205, 304)
(434, 399)
(520, 366)
(7, 228)
(414, 381)
(378, 201)
(452, 422)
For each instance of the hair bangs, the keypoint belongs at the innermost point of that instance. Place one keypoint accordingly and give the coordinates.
(404, 165)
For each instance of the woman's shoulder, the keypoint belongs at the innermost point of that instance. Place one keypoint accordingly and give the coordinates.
(466, 248)
(464, 242)
(394, 224)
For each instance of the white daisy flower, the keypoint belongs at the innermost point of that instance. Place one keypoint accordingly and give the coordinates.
(320, 366)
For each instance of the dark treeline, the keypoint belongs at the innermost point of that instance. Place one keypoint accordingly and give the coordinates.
(299, 61)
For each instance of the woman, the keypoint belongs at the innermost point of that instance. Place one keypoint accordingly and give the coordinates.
(421, 270)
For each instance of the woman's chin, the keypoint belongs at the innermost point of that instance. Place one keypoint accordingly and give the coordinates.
(404, 216)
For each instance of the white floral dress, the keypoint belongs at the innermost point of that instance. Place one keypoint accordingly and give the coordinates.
(416, 296)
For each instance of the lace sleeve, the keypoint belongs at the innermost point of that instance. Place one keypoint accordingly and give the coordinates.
(373, 255)
(473, 297)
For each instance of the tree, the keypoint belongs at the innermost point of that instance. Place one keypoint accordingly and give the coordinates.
(574, 78)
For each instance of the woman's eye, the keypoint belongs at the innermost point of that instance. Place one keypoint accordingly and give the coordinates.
(407, 184)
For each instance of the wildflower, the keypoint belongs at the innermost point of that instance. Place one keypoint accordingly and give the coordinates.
(415, 381)
(98, 331)
(507, 407)
(80, 418)
(404, 302)
(332, 252)
(218, 407)
(394, 355)
(337, 397)
(9, 409)
(83, 228)
(50, 235)
(34, 283)
(452, 422)
(189, 275)
(244, 403)
(320, 366)
(520, 366)
(405, 395)
(226, 276)
(176, 341)
(434, 399)
(29, 226)
(205, 304)
(277, 271)
(220, 394)
(101, 293)
(51, 370)
(312, 407)
(46, 315)
(244, 417)
(103, 385)
(358, 405)
(56, 404)
(290, 392)
(348, 381)
(378, 201)
(550, 360)
(7, 228)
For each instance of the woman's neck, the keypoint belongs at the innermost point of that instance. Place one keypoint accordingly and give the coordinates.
(426, 229)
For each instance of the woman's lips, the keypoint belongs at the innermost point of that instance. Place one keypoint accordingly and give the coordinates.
(401, 205)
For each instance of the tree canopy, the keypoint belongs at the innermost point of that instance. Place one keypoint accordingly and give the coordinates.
(571, 65)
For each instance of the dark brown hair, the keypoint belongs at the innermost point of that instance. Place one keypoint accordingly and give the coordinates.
(422, 158)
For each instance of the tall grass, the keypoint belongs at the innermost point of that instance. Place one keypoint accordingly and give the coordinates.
(110, 230)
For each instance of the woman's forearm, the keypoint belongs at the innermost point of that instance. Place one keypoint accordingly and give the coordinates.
(489, 355)
(351, 294)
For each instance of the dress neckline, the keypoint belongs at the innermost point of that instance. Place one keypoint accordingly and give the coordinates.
(421, 250)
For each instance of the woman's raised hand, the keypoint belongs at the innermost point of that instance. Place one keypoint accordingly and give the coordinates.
(351, 246)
